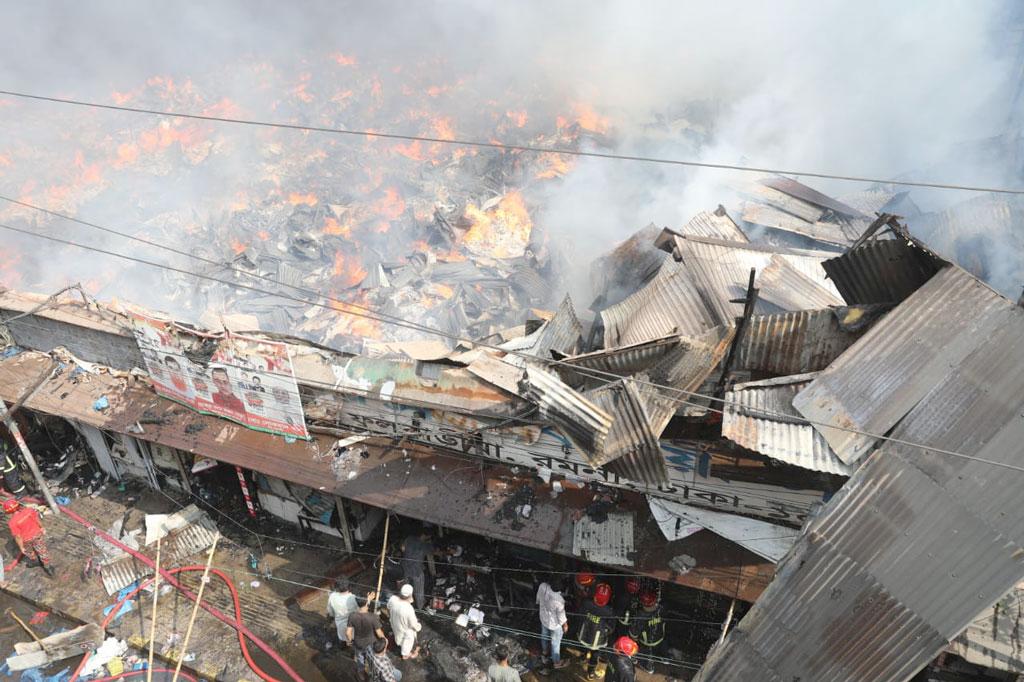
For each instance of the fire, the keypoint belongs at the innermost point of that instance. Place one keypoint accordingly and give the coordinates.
(238, 247)
(442, 127)
(553, 166)
(518, 118)
(502, 231)
(444, 290)
(10, 274)
(343, 59)
(353, 323)
(300, 89)
(349, 275)
(294, 198)
(127, 154)
(263, 235)
(413, 150)
(90, 173)
(121, 98)
(391, 205)
(587, 119)
(332, 226)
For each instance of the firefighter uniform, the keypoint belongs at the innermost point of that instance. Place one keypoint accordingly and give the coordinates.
(11, 474)
(595, 630)
(648, 629)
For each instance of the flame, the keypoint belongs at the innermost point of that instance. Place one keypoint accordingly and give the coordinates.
(121, 98)
(391, 205)
(343, 59)
(444, 290)
(442, 127)
(518, 118)
(263, 235)
(90, 173)
(502, 231)
(413, 150)
(238, 247)
(332, 226)
(553, 166)
(349, 275)
(300, 89)
(225, 107)
(354, 324)
(294, 198)
(587, 119)
(10, 275)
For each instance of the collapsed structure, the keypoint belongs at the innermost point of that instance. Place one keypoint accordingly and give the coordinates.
(778, 417)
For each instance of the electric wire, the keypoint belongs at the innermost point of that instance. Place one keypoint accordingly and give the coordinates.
(503, 146)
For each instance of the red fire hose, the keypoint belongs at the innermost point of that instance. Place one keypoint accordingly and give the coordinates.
(243, 632)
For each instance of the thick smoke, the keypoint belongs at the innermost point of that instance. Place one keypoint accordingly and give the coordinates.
(869, 88)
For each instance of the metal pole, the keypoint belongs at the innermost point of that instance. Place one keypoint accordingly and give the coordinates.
(195, 608)
(383, 550)
(152, 625)
(725, 625)
(23, 446)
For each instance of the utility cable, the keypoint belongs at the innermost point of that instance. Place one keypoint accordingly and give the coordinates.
(507, 146)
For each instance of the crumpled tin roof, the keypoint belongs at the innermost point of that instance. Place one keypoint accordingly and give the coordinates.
(562, 333)
(801, 341)
(882, 270)
(906, 354)
(668, 304)
(582, 421)
(639, 415)
(717, 225)
(759, 416)
(918, 542)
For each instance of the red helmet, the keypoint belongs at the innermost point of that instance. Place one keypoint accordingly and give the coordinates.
(632, 585)
(602, 594)
(11, 506)
(648, 599)
(625, 645)
(585, 579)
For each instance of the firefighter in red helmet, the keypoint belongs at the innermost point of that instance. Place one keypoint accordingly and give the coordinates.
(620, 667)
(28, 532)
(596, 628)
(648, 628)
(625, 603)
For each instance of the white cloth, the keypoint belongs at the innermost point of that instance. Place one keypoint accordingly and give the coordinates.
(552, 607)
(404, 623)
(341, 606)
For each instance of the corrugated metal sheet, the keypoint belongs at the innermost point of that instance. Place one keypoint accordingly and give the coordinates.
(668, 304)
(917, 542)
(622, 272)
(769, 216)
(721, 271)
(809, 195)
(691, 361)
(759, 415)
(717, 225)
(889, 369)
(561, 333)
(639, 415)
(812, 268)
(626, 360)
(801, 341)
(609, 543)
(871, 201)
(882, 271)
(579, 419)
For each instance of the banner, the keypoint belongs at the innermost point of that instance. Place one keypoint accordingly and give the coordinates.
(246, 380)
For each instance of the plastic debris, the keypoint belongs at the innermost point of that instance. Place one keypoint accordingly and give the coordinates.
(101, 403)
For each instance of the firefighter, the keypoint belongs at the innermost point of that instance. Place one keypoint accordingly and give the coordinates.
(28, 533)
(10, 473)
(620, 667)
(626, 603)
(647, 627)
(596, 628)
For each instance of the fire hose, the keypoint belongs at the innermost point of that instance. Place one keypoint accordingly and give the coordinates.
(243, 632)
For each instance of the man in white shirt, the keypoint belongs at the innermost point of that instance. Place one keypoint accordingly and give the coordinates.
(341, 604)
(404, 623)
(553, 623)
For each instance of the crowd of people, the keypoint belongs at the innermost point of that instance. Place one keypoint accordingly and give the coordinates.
(617, 620)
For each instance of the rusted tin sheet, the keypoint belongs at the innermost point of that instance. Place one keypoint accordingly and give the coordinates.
(579, 419)
(889, 369)
(639, 416)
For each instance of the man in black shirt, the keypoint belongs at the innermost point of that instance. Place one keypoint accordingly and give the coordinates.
(364, 628)
(598, 621)
(620, 667)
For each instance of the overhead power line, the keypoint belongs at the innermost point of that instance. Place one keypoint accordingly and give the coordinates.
(505, 146)
(593, 373)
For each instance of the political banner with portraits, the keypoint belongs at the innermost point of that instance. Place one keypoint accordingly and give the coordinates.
(244, 379)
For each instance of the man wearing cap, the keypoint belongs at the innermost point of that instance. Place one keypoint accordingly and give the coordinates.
(404, 623)
(553, 623)
(620, 667)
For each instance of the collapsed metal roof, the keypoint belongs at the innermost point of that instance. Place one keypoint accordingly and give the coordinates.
(871, 386)
(639, 415)
(759, 415)
(716, 225)
(918, 542)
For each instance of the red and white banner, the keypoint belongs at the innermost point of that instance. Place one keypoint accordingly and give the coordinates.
(247, 380)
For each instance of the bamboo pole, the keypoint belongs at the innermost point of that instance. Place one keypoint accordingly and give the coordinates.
(383, 551)
(195, 608)
(152, 625)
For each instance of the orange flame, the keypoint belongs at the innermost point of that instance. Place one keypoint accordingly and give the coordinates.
(391, 205)
(553, 166)
(502, 231)
(344, 59)
(349, 275)
(294, 198)
(332, 226)
(238, 247)
(413, 150)
(121, 98)
(518, 118)
(442, 127)
(587, 119)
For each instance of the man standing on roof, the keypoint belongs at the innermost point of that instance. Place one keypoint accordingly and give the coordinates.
(418, 551)
(341, 604)
(28, 533)
(404, 623)
(553, 623)
(596, 628)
